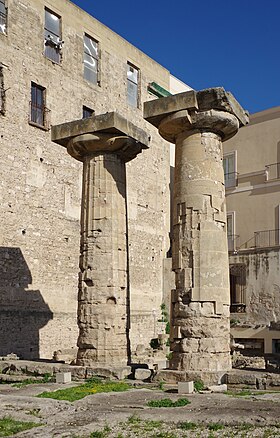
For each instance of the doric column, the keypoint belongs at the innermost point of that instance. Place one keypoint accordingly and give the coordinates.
(103, 147)
(198, 122)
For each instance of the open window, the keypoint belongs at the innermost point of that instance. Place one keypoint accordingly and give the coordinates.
(53, 41)
(3, 16)
(91, 60)
(132, 85)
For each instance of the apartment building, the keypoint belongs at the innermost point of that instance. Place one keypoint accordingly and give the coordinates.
(252, 180)
(58, 64)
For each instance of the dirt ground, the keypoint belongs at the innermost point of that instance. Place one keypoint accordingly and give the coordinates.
(126, 414)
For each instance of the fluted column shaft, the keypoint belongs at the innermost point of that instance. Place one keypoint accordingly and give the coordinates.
(102, 299)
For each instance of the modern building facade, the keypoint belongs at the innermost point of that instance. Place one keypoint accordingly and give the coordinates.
(252, 179)
(58, 64)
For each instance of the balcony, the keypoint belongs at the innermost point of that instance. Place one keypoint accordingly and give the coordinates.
(266, 238)
(262, 239)
(272, 171)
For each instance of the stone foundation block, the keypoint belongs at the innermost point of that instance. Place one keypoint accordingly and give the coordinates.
(241, 379)
(185, 387)
(170, 376)
(218, 388)
(142, 374)
(63, 378)
(118, 373)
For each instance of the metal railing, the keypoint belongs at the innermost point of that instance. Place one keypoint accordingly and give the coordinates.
(272, 171)
(266, 238)
(231, 179)
(233, 241)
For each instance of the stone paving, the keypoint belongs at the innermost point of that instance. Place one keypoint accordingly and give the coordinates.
(126, 414)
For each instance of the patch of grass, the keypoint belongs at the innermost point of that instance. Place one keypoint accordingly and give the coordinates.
(9, 427)
(198, 385)
(89, 388)
(215, 426)
(45, 379)
(187, 425)
(98, 434)
(168, 403)
(245, 426)
(165, 435)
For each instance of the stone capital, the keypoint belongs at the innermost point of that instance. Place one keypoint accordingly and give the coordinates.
(211, 110)
(94, 144)
(104, 133)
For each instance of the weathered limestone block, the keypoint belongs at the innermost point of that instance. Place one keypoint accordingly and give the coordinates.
(198, 122)
(103, 143)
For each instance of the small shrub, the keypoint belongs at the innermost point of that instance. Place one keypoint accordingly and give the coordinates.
(215, 426)
(169, 356)
(167, 328)
(168, 403)
(198, 385)
(187, 425)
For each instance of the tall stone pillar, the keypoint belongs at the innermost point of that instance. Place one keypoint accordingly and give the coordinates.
(198, 123)
(103, 143)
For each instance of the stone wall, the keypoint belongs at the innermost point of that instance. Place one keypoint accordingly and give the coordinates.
(262, 288)
(40, 185)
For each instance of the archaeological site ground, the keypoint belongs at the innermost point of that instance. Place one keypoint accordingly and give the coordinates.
(140, 242)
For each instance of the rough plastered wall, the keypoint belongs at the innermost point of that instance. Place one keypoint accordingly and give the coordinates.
(40, 185)
(262, 290)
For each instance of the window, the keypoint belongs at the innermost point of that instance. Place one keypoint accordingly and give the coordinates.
(87, 112)
(91, 60)
(3, 17)
(229, 163)
(38, 110)
(53, 42)
(132, 85)
(231, 236)
(237, 288)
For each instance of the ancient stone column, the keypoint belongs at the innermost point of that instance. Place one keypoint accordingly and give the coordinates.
(198, 123)
(103, 143)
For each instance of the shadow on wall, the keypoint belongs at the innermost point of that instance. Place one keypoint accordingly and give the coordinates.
(23, 311)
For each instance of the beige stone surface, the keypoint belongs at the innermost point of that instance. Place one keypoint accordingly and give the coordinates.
(103, 302)
(40, 184)
(198, 122)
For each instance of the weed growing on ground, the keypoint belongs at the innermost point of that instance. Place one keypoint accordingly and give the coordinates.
(45, 379)
(215, 426)
(187, 425)
(198, 385)
(168, 403)
(92, 386)
(9, 427)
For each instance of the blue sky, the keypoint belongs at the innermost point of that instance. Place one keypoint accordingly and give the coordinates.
(205, 43)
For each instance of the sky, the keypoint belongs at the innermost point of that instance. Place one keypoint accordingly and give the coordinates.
(205, 43)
